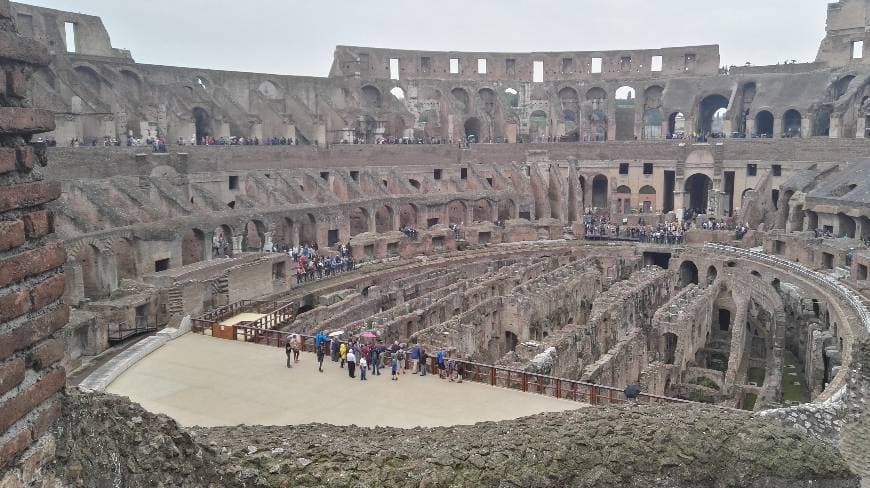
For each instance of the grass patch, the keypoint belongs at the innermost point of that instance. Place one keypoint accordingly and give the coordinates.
(792, 392)
(756, 375)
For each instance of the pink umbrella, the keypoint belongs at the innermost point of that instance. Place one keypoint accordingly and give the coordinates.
(369, 335)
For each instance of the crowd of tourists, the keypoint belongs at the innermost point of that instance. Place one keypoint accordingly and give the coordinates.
(366, 354)
(312, 266)
(409, 231)
(662, 233)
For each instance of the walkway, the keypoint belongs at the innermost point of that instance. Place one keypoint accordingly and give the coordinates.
(199, 380)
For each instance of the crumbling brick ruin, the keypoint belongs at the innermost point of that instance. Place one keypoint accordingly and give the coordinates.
(471, 189)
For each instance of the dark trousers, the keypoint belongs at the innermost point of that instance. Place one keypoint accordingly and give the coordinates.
(351, 367)
(288, 361)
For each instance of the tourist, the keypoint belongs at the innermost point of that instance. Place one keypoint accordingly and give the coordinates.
(342, 353)
(351, 363)
(288, 350)
(400, 354)
(415, 359)
(439, 358)
(394, 366)
(334, 345)
(376, 361)
(321, 351)
(294, 344)
(363, 366)
(422, 362)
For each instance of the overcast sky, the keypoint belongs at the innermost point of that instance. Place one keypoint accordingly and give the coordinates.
(298, 36)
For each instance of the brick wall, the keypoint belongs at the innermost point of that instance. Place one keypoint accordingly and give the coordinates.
(31, 275)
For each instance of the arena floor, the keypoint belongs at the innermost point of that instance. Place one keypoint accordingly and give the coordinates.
(200, 380)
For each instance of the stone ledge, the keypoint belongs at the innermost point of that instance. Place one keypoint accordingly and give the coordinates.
(22, 49)
(25, 120)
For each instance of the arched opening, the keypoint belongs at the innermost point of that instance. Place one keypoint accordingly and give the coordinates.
(408, 215)
(308, 230)
(222, 242)
(203, 124)
(668, 347)
(647, 199)
(846, 225)
(554, 194)
(676, 125)
(284, 233)
(599, 191)
(698, 187)
(512, 97)
(359, 221)
(510, 341)
(192, 247)
(472, 130)
(625, 103)
(131, 82)
(764, 124)
(124, 254)
(384, 219)
(623, 194)
(487, 100)
(822, 121)
(791, 123)
(95, 272)
(89, 78)
(711, 275)
(688, 274)
(710, 108)
(269, 90)
(839, 88)
(456, 212)
(254, 236)
(371, 97)
(652, 123)
(596, 115)
(398, 92)
(461, 100)
(507, 210)
(482, 211)
(538, 126)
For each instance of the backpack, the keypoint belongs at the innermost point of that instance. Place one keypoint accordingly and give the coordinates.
(401, 355)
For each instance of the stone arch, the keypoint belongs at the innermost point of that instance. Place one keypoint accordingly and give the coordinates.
(456, 212)
(697, 188)
(308, 230)
(384, 219)
(461, 99)
(512, 96)
(709, 107)
(596, 93)
(676, 125)
(568, 96)
(507, 210)
(132, 82)
(370, 96)
(482, 211)
(846, 225)
(223, 234)
(270, 90)
(822, 121)
(711, 275)
(791, 123)
(192, 246)
(596, 116)
(202, 123)
(652, 124)
(599, 191)
(538, 130)
(688, 273)
(647, 198)
(764, 124)
(359, 221)
(254, 236)
(472, 129)
(625, 99)
(96, 271)
(285, 232)
(89, 78)
(398, 92)
(623, 194)
(408, 215)
(124, 254)
(487, 100)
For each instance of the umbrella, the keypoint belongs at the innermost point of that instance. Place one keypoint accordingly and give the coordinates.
(369, 334)
(632, 391)
(336, 333)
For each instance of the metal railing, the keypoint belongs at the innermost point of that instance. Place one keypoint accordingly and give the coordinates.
(492, 375)
(122, 331)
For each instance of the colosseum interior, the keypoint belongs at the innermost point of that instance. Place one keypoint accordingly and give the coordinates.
(560, 224)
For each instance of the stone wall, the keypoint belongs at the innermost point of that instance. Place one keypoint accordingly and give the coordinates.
(31, 275)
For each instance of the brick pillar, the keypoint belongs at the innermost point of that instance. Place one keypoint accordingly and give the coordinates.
(31, 274)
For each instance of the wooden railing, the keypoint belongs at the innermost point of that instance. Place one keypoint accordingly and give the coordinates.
(122, 331)
(276, 312)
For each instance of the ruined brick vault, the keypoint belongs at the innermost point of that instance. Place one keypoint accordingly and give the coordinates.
(766, 336)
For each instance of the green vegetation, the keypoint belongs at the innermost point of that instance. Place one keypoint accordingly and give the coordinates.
(792, 392)
(749, 401)
(707, 382)
(756, 375)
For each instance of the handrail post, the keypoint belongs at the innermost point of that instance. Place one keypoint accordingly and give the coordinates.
(558, 388)
(525, 381)
(492, 375)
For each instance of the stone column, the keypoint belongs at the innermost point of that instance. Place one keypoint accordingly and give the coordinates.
(738, 341)
(750, 127)
(237, 244)
(861, 129)
(836, 127)
(267, 241)
(777, 127)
